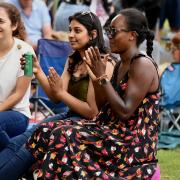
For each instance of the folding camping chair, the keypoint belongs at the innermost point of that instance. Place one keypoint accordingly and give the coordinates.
(51, 53)
(170, 98)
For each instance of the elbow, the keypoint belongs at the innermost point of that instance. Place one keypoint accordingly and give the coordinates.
(91, 114)
(125, 115)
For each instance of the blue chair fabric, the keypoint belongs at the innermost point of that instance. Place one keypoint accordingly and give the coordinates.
(51, 53)
(170, 98)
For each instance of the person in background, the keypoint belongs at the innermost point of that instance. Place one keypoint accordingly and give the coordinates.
(14, 86)
(103, 9)
(74, 88)
(151, 8)
(174, 47)
(68, 8)
(36, 18)
(170, 10)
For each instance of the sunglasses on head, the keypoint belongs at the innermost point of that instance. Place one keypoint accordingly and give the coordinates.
(111, 31)
(87, 13)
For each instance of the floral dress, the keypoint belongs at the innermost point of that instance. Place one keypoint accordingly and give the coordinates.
(103, 148)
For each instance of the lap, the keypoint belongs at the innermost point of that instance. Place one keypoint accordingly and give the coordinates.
(13, 122)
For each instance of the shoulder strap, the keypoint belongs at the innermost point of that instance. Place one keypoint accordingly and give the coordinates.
(143, 55)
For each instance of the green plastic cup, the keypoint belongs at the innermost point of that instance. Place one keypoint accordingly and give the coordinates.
(28, 69)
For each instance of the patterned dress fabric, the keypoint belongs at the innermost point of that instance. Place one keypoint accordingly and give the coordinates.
(103, 148)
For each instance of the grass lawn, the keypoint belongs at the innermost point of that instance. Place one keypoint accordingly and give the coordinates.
(169, 161)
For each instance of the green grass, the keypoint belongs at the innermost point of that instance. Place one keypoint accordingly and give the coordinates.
(169, 161)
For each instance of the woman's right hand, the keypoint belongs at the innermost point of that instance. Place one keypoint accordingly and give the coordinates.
(55, 81)
(36, 65)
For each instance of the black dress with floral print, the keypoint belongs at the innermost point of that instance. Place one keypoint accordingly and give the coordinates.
(104, 148)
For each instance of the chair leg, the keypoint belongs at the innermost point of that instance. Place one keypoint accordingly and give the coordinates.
(175, 122)
(164, 120)
(44, 105)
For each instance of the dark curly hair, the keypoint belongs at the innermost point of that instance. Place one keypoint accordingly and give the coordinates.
(136, 21)
(91, 22)
(15, 19)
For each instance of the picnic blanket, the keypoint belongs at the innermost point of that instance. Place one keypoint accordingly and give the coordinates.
(169, 140)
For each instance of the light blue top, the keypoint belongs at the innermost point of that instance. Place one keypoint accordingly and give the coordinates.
(36, 21)
(61, 21)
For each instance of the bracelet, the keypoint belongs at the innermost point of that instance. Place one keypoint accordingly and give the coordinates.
(101, 77)
(102, 80)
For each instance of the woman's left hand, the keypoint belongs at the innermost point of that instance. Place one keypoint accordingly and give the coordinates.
(94, 60)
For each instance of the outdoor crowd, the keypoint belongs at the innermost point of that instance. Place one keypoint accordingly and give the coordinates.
(110, 84)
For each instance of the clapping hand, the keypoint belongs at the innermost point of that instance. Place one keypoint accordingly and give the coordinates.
(96, 65)
(55, 81)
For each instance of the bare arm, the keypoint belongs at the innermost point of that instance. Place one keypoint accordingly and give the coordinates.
(42, 78)
(18, 93)
(101, 97)
(86, 109)
(59, 87)
(141, 76)
(142, 79)
(47, 31)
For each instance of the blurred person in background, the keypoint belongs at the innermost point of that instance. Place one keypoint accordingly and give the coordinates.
(36, 18)
(103, 9)
(151, 8)
(68, 8)
(174, 48)
(170, 10)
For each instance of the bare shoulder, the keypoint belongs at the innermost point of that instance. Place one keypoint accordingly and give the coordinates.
(142, 65)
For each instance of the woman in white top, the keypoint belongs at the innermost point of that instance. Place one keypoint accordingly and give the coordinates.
(14, 86)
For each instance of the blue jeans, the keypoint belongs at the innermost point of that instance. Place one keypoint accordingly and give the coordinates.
(15, 159)
(12, 123)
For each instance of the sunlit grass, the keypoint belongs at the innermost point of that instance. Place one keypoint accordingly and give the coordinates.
(169, 161)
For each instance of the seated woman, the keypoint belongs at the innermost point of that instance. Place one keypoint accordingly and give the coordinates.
(14, 86)
(78, 89)
(121, 141)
